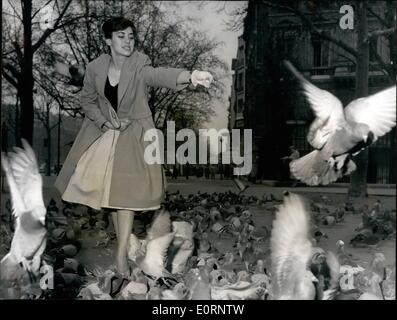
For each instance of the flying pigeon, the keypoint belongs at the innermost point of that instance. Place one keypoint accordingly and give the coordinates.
(293, 256)
(153, 260)
(28, 208)
(75, 73)
(339, 133)
(291, 252)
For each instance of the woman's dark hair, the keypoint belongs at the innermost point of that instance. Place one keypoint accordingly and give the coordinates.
(116, 24)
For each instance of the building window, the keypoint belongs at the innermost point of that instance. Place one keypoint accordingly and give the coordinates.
(240, 124)
(320, 52)
(288, 49)
(373, 48)
(240, 105)
(316, 53)
(299, 137)
(240, 81)
(259, 49)
(260, 35)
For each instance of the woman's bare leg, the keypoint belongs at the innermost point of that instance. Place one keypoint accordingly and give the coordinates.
(115, 223)
(125, 220)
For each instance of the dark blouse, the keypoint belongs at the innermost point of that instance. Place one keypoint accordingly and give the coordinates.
(111, 93)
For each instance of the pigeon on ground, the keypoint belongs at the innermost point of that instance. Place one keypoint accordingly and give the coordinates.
(343, 257)
(338, 133)
(29, 240)
(240, 185)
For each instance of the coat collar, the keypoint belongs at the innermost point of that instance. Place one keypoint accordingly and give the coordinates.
(126, 74)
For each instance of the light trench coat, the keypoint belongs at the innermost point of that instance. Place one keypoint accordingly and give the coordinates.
(134, 184)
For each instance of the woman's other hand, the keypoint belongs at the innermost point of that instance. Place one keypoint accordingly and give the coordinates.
(124, 123)
(201, 77)
(107, 126)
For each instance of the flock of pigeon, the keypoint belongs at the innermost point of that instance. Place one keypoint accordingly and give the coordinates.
(180, 256)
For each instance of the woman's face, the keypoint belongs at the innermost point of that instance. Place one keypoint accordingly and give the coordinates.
(122, 42)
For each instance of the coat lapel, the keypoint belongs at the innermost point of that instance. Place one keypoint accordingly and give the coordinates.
(102, 73)
(126, 75)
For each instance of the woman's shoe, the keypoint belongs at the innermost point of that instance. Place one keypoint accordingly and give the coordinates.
(127, 274)
(116, 285)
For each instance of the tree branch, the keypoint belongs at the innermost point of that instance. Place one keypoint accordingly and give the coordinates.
(47, 33)
(383, 21)
(53, 126)
(164, 103)
(384, 32)
(10, 79)
(18, 51)
(383, 65)
(313, 28)
(47, 3)
(15, 73)
(339, 43)
(15, 10)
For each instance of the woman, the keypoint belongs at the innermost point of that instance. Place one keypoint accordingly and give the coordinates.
(105, 167)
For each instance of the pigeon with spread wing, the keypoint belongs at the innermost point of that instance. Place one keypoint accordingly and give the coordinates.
(25, 184)
(293, 258)
(152, 260)
(338, 133)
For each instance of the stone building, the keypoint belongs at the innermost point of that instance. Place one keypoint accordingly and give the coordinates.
(267, 99)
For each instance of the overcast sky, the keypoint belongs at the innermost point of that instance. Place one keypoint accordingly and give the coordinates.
(213, 24)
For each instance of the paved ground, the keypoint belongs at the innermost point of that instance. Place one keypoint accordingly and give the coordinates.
(93, 256)
(337, 193)
(205, 185)
(193, 185)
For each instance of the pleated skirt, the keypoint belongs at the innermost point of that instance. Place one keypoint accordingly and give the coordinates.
(112, 173)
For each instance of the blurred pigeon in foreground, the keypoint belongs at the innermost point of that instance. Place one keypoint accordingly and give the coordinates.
(25, 185)
(291, 252)
(337, 134)
(153, 260)
(294, 259)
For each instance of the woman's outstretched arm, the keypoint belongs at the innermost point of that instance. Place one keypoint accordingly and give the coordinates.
(172, 78)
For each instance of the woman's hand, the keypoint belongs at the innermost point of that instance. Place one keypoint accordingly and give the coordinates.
(201, 77)
(106, 126)
(124, 123)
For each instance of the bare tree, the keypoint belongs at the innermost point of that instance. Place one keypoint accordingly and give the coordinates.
(167, 42)
(24, 41)
(51, 62)
(44, 114)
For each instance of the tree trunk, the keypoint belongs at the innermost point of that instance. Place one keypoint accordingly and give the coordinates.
(59, 141)
(358, 179)
(47, 122)
(390, 14)
(16, 121)
(48, 165)
(26, 79)
(391, 8)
